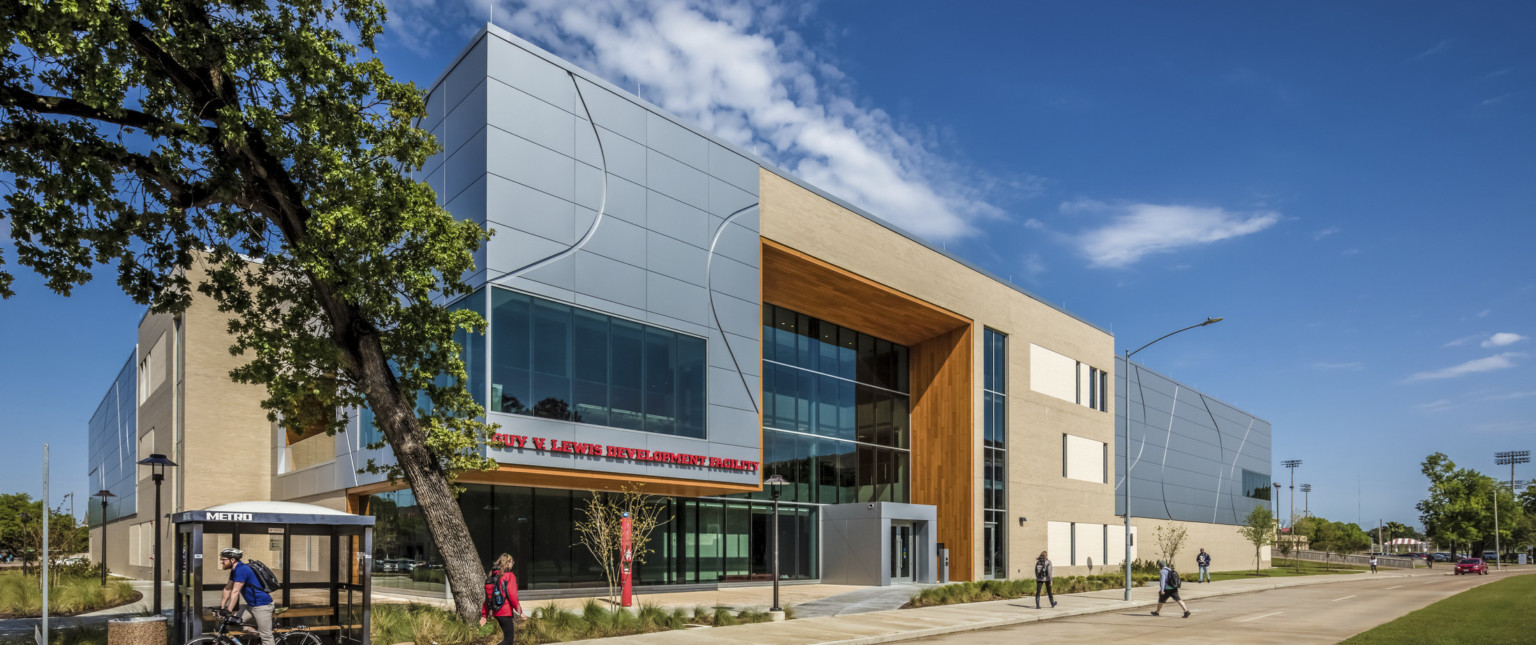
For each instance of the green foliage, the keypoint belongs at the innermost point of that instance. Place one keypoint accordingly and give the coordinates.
(423, 574)
(985, 590)
(1497, 613)
(1170, 540)
(546, 624)
(1459, 511)
(22, 594)
(1259, 529)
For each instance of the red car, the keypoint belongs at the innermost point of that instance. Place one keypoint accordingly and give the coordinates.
(1472, 565)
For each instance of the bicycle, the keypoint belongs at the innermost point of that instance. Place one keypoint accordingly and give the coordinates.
(294, 636)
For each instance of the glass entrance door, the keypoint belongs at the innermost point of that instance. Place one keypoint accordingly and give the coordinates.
(901, 552)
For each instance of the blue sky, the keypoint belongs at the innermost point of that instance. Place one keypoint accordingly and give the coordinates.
(1349, 185)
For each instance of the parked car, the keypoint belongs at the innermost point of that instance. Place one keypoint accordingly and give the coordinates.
(396, 565)
(1441, 556)
(1490, 556)
(1472, 565)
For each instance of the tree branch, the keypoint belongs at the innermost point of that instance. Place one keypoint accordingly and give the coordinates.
(63, 106)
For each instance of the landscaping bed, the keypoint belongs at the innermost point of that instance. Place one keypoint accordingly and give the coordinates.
(547, 624)
(21, 596)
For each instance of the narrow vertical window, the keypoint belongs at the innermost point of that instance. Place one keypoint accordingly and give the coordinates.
(995, 457)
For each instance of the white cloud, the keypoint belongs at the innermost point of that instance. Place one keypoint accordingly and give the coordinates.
(1437, 405)
(1336, 367)
(737, 68)
(1439, 47)
(1489, 364)
(1509, 396)
(1502, 338)
(1324, 233)
(1463, 340)
(1138, 230)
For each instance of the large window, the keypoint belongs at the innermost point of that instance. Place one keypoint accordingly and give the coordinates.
(995, 458)
(1255, 485)
(556, 361)
(836, 412)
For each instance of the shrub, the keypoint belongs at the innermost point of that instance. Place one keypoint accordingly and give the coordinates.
(22, 595)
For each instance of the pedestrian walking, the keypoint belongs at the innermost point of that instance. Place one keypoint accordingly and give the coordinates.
(1044, 574)
(1373, 564)
(501, 598)
(1204, 560)
(1168, 584)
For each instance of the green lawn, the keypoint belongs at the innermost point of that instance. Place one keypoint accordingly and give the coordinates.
(1282, 569)
(1492, 614)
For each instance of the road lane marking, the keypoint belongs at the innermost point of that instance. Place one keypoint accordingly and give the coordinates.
(1397, 587)
(1346, 597)
(1262, 616)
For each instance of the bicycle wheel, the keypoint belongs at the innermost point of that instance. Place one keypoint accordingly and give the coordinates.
(299, 638)
(213, 640)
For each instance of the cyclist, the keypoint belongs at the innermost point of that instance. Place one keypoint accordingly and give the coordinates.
(244, 584)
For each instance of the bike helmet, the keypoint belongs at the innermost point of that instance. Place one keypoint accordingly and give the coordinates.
(232, 552)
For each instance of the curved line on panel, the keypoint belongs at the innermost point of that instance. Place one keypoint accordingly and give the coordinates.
(1232, 472)
(1163, 480)
(1127, 475)
(709, 287)
(1220, 445)
(602, 204)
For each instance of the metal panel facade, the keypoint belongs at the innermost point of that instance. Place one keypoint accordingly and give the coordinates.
(1188, 451)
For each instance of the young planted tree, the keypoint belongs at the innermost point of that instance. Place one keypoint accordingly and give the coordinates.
(601, 530)
(259, 150)
(1259, 529)
(1286, 545)
(1170, 540)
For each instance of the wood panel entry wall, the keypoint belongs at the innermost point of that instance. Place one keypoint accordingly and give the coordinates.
(944, 448)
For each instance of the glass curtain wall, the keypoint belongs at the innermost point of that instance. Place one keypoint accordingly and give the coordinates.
(703, 540)
(995, 458)
(836, 412)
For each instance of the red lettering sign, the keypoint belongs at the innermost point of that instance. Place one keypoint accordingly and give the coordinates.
(620, 452)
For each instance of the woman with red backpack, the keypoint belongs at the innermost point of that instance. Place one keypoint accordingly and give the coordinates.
(501, 598)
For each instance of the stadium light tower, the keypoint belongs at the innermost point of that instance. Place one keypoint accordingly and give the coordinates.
(1291, 465)
(1306, 500)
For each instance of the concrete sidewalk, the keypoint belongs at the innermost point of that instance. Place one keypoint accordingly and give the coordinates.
(911, 624)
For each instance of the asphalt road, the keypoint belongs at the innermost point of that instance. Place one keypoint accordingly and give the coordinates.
(1308, 614)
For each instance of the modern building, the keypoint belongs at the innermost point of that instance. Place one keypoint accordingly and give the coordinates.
(666, 310)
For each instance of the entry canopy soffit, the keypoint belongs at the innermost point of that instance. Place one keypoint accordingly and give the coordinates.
(265, 512)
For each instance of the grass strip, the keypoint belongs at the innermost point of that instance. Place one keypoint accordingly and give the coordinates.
(1492, 614)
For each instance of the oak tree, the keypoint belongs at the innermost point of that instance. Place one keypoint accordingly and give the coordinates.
(257, 153)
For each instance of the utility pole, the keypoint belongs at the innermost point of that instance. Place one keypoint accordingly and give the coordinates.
(1291, 465)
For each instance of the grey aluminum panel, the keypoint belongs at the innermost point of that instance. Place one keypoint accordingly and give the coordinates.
(625, 157)
(589, 189)
(626, 201)
(740, 171)
(607, 279)
(617, 239)
(609, 306)
(668, 322)
(434, 162)
(520, 69)
(510, 249)
(676, 299)
(614, 112)
(675, 141)
(531, 211)
(560, 274)
(467, 118)
(674, 259)
(464, 167)
(677, 180)
(436, 180)
(470, 204)
(739, 243)
(725, 389)
(746, 352)
(734, 427)
(530, 164)
(536, 288)
(517, 112)
(725, 199)
(677, 220)
(468, 74)
(436, 105)
(737, 315)
(734, 278)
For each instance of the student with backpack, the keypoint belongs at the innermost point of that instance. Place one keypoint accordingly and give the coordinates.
(501, 598)
(1168, 583)
(245, 583)
(1044, 574)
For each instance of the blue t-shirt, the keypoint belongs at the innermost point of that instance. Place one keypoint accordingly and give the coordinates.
(251, 592)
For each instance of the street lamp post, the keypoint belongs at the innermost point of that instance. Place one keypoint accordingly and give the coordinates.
(1291, 464)
(1126, 393)
(157, 464)
(777, 483)
(1306, 500)
(103, 494)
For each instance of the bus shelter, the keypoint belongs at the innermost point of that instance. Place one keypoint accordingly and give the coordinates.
(321, 556)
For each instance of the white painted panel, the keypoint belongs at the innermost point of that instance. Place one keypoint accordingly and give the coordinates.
(1085, 459)
(1089, 539)
(1116, 540)
(1058, 539)
(1053, 374)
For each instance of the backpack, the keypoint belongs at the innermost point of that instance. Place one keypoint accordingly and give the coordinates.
(1042, 570)
(1174, 582)
(498, 585)
(264, 576)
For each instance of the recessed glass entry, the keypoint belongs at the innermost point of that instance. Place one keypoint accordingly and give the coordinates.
(901, 552)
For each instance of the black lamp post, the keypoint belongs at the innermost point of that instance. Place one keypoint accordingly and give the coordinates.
(103, 494)
(157, 464)
(776, 485)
